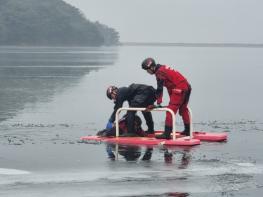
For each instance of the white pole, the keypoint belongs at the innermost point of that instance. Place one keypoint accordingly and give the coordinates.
(191, 123)
(143, 109)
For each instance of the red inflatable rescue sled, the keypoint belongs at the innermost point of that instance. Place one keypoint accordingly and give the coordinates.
(183, 141)
(177, 139)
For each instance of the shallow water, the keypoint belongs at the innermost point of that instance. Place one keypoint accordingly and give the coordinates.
(50, 97)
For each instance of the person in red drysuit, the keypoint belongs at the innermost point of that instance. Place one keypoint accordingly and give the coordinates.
(178, 89)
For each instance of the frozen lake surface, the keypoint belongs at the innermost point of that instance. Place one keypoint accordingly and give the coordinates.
(50, 97)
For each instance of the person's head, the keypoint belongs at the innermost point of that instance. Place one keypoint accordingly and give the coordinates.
(112, 92)
(149, 65)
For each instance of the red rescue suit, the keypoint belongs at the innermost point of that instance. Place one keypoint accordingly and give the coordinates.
(178, 89)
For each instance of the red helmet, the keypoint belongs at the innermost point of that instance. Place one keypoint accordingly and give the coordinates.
(110, 90)
(148, 63)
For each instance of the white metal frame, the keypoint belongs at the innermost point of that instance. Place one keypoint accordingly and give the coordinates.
(155, 109)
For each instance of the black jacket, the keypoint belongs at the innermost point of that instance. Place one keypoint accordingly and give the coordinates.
(137, 95)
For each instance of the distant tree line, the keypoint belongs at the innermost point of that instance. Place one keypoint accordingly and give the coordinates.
(50, 23)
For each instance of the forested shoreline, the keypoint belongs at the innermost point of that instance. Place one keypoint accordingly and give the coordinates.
(50, 23)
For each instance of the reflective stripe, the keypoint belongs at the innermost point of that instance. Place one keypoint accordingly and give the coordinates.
(177, 91)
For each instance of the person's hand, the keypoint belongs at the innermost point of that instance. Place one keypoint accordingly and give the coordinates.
(109, 125)
(150, 107)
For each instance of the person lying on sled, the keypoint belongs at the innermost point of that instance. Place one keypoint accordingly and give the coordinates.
(123, 128)
(137, 95)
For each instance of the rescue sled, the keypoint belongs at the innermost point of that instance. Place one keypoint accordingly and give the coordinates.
(148, 141)
(175, 141)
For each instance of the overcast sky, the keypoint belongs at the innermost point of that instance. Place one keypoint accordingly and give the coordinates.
(238, 21)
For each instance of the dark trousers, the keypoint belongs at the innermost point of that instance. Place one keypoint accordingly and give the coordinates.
(142, 100)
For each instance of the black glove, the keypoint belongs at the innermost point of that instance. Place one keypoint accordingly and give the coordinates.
(150, 107)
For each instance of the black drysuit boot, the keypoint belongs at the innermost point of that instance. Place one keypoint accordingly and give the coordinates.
(149, 122)
(186, 130)
(166, 134)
